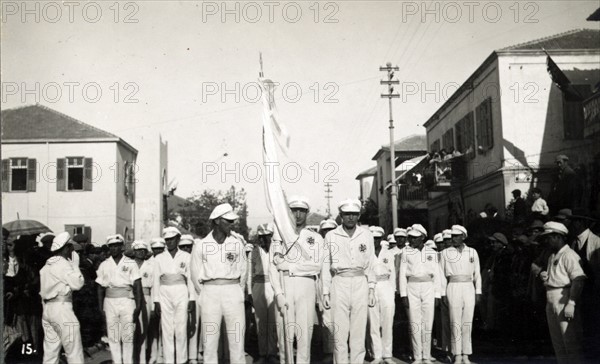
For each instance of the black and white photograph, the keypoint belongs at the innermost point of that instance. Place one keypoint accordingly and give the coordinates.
(300, 182)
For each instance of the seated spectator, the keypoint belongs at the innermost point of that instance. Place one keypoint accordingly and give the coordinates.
(539, 204)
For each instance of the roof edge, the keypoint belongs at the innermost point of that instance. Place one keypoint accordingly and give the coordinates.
(71, 141)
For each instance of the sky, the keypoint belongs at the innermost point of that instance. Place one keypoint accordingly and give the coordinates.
(187, 70)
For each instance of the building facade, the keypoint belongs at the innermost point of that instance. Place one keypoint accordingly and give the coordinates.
(507, 123)
(66, 174)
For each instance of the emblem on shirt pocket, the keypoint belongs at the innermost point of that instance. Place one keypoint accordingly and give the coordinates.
(310, 240)
(430, 258)
(145, 275)
(362, 248)
(385, 260)
(472, 260)
(182, 265)
(230, 257)
(124, 269)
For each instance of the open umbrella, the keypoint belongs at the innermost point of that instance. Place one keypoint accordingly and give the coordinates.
(25, 227)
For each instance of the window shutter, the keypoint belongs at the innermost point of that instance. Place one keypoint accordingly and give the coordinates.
(61, 174)
(87, 230)
(490, 125)
(31, 175)
(5, 174)
(88, 174)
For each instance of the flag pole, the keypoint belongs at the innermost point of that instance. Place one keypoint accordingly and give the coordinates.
(288, 345)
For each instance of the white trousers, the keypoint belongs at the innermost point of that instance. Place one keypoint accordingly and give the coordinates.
(120, 327)
(349, 302)
(173, 321)
(301, 315)
(61, 329)
(565, 335)
(381, 320)
(461, 306)
(421, 308)
(266, 320)
(220, 302)
(195, 343)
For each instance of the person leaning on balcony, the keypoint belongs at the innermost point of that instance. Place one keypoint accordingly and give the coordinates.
(564, 280)
(460, 264)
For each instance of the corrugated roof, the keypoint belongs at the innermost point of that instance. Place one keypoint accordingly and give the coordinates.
(573, 39)
(411, 143)
(37, 122)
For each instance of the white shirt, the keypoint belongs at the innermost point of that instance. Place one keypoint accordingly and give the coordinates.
(348, 253)
(147, 272)
(582, 238)
(113, 275)
(165, 263)
(466, 262)
(541, 206)
(13, 267)
(419, 263)
(385, 264)
(211, 260)
(563, 267)
(59, 277)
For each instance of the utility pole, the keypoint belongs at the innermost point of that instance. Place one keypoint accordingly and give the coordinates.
(390, 95)
(328, 191)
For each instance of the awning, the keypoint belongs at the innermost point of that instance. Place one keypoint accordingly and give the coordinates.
(408, 166)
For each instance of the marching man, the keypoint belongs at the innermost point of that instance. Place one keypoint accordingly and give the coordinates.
(564, 281)
(174, 297)
(146, 266)
(300, 263)
(120, 296)
(58, 279)
(186, 244)
(219, 272)
(158, 246)
(381, 316)
(263, 298)
(349, 282)
(460, 264)
(419, 288)
(325, 318)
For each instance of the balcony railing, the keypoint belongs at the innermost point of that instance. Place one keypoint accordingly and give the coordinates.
(412, 193)
(442, 174)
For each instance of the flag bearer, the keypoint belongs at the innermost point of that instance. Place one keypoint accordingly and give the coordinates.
(349, 282)
(564, 280)
(146, 266)
(300, 262)
(381, 316)
(419, 288)
(58, 279)
(460, 264)
(174, 297)
(219, 271)
(120, 296)
(263, 298)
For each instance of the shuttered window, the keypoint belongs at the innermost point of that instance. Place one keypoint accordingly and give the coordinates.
(74, 174)
(19, 175)
(483, 113)
(448, 140)
(465, 135)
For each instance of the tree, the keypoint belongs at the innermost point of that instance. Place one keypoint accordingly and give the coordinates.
(197, 210)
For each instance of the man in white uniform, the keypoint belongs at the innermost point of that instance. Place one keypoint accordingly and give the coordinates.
(154, 338)
(300, 262)
(263, 298)
(564, 281)
(146, 266)
(349, 282)
(325, 318)
(460, 264)
(186, 244)
(121, 297)
(381, 316)
(419, 288)
(58, 279)
(219, 271)
(174, 297)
